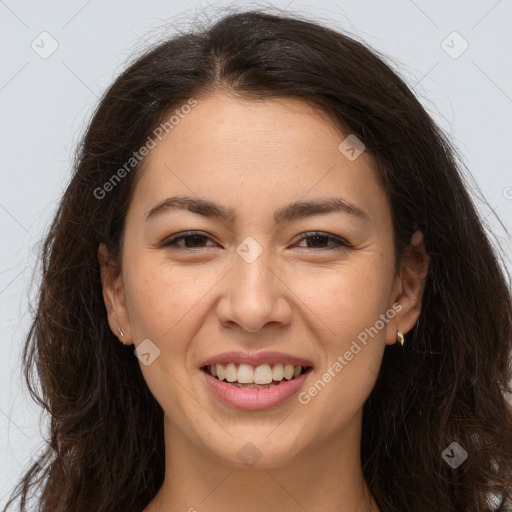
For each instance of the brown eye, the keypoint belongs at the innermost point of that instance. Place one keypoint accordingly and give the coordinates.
(192, 240)
(319, 240)
(314, 240)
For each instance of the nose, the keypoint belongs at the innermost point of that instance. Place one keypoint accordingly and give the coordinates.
(254, 295)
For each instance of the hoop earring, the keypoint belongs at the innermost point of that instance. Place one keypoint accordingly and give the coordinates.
(121, 333)
(400, 337)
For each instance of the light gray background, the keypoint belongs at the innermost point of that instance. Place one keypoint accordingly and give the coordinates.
(45, 103)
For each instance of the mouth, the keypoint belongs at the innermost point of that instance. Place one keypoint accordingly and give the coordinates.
(263, 376)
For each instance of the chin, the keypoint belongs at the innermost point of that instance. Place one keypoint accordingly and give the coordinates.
(256, 451)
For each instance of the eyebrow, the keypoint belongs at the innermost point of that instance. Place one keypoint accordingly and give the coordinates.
(293, 211)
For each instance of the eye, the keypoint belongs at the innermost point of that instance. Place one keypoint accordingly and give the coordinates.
(196, 240)
(319, 239)
(192, 240)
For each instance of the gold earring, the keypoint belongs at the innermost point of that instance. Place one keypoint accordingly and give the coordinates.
(400, 338)
(121, 333)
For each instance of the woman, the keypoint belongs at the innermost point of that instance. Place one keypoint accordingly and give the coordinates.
(266, 217)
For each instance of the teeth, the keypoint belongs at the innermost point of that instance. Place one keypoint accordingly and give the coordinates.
(259, 376)
(231, 372)
(245, 374)
(278, 372)
(263, 374)
(288, 371)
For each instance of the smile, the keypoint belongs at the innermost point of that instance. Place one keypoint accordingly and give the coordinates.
(249, 395)
(254, 377)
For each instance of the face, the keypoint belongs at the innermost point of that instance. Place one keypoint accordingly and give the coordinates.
(307, 286)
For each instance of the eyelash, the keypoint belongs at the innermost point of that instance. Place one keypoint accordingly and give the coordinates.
(340, 243)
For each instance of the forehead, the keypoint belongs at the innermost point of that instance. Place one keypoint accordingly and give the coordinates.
(248, 153)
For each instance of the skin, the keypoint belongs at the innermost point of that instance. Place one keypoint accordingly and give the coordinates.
(296, 297)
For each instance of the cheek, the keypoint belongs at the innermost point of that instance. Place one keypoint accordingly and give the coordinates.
(164, 305)
(344, 308)
(343, 301)
(162, 298)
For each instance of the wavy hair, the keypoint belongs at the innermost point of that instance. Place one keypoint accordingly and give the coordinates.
(450, 381)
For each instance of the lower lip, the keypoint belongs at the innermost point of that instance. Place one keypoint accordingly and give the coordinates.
(255, 399)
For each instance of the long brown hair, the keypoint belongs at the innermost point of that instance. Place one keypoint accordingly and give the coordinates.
(448, 384)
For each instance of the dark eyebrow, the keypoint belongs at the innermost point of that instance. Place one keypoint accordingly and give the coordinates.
(293, 211)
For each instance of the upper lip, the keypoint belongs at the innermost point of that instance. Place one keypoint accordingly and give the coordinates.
(256, 358)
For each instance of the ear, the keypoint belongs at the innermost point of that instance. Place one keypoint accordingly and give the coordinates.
(408, 288)
(113, 296)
